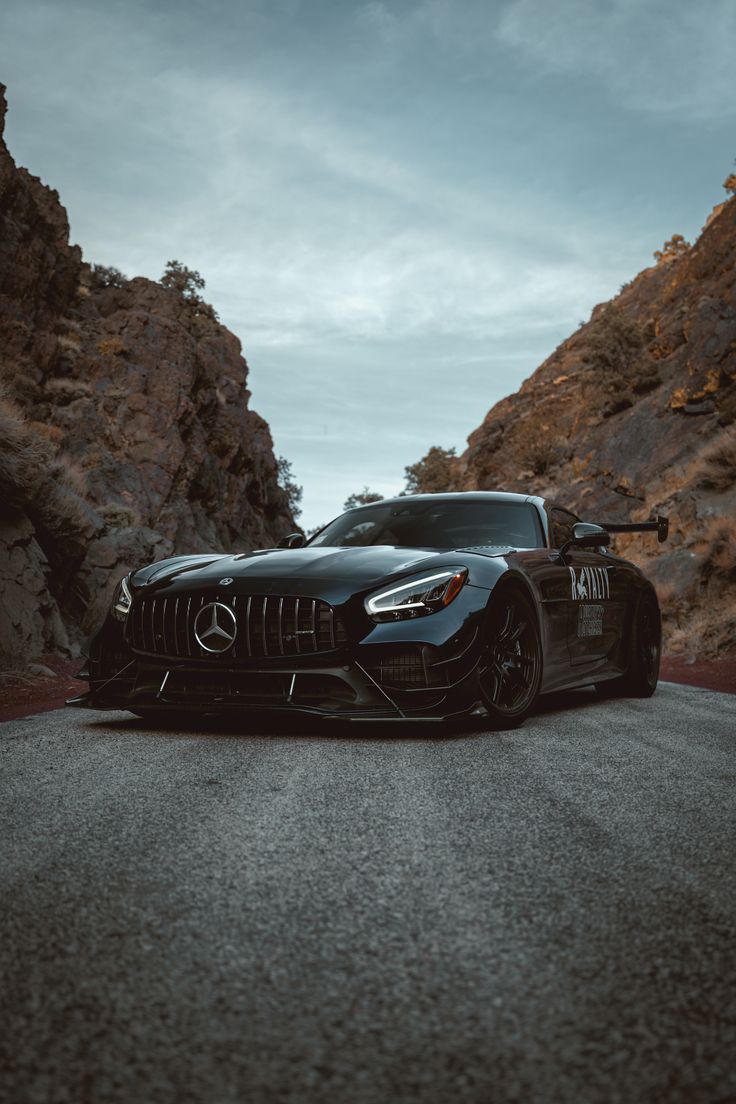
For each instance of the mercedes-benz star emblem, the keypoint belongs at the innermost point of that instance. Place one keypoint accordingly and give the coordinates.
(215, 627)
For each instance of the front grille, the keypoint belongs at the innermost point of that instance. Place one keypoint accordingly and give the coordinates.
(267, 627)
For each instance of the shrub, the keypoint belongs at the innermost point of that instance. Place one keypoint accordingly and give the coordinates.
(188, 283)
(289, 486)
(436, 472)
(617, 362)
(535, 443)
(675, 247)
(105, 276)
(362, 498)
(730, 184)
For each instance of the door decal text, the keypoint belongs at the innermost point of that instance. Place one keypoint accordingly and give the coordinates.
(589, 582)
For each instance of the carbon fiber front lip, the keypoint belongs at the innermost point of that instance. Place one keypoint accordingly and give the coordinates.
(161, 688)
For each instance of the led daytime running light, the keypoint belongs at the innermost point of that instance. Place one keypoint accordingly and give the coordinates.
(418, 597)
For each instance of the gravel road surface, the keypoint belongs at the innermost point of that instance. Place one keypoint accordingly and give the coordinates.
(372, 915)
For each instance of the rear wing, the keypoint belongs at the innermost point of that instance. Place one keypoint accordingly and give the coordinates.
(660, 527)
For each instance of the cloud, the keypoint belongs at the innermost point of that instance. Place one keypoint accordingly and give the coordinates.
(395, 248)
(661, 56)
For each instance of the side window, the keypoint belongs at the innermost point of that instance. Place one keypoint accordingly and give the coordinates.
(561, 522)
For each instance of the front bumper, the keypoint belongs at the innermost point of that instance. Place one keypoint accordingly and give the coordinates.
(393, 674)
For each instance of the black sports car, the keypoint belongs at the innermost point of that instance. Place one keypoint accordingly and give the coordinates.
(428, 606)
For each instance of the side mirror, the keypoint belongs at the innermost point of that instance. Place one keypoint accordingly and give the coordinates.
(587, 535)
(294, 540)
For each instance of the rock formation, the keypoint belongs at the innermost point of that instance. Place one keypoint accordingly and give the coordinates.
(635, 415)
(125, 432)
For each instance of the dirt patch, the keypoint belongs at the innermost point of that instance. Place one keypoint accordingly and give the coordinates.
(713, 674)
(23, 694)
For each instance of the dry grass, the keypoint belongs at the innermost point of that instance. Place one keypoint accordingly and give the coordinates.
(69, 344)
(536, 443)
(618, 365)
(111, 346)
(51, 432)
(72, 474)
(67, 390)
(24, 455)
(719, 535)
(32, 478)
(116, 515)
(716, 466)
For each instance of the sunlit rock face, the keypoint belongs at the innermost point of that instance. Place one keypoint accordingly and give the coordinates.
(125, 432)
(634, 415)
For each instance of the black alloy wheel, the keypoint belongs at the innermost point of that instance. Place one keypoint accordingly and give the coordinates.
(510, 668)
(640, 681)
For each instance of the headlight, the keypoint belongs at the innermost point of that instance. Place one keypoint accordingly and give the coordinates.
(121, 600)
(417, 598)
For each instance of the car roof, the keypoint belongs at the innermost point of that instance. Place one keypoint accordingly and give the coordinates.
(458, 496)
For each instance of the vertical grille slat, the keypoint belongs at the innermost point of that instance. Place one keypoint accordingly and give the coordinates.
(152, 622)
(268, 626)
(234, 604)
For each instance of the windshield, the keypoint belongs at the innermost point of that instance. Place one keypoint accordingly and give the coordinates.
(447, 524)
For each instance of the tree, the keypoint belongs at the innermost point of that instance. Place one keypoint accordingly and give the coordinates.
(673, 248)
(188, 283)
(289, 486)
(435, 472)
(730, 184)
(362, 498)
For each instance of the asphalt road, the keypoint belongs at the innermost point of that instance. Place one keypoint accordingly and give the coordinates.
(372, 914)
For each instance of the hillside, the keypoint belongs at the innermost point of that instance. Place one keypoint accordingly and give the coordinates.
(633, 415)
(125, 432)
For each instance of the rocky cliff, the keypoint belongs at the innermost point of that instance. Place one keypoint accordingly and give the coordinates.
(125, 432)
(634, 415)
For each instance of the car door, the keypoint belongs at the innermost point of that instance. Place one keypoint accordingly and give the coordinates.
(596, 597)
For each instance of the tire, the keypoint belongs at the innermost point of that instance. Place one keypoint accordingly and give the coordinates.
(640, 681)
(510, 669)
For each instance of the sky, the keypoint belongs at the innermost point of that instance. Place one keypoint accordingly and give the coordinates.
(399, 207)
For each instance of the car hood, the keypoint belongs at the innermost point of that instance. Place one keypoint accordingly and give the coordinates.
(294, 570)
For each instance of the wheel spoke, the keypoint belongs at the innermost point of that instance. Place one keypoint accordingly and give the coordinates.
(496, 687)
(509, 670)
